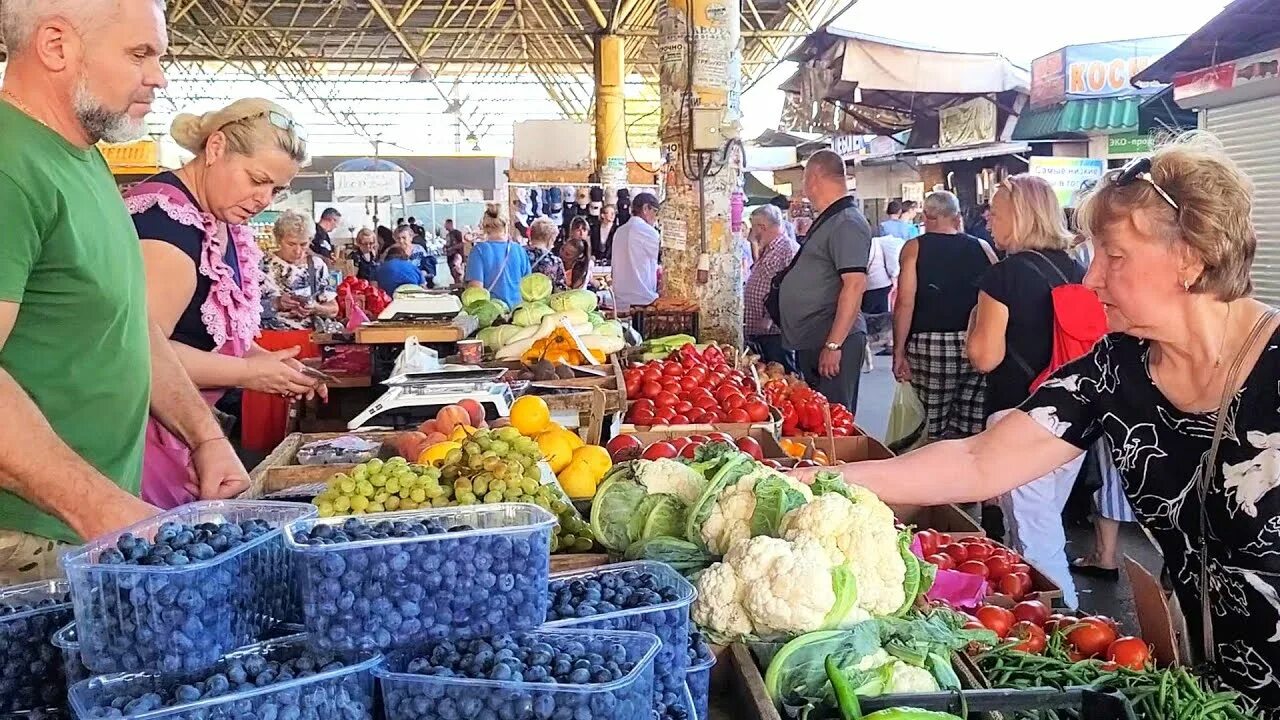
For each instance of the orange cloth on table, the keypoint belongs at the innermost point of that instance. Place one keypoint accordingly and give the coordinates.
(264, 418)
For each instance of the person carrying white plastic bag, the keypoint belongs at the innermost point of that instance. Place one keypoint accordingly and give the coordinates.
(908, 426)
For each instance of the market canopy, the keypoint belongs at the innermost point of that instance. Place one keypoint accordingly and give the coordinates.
(852, 82)
(451, 72)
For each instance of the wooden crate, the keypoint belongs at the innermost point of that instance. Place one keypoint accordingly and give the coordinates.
(377, 333)
(950, 519)
(280, 470)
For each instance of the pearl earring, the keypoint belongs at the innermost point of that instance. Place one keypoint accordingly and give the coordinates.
(1186, 286)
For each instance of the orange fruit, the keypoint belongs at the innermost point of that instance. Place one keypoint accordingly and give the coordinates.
(595, 457)
(557, 447)
(530, 415)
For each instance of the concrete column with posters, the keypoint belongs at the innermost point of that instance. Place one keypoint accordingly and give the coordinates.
(701, 215)
(610, 118)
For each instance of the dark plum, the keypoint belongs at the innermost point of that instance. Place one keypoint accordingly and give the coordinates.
(402, 580)
(542, 675)
(31, 673)
(642, 596)
(178, 592)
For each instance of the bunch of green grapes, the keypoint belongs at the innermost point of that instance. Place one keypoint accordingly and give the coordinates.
(494, 466)
(384, 486)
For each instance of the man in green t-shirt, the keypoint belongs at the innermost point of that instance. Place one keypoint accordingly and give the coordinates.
(80, 363)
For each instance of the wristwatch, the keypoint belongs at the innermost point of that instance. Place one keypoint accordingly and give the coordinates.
(832, 346)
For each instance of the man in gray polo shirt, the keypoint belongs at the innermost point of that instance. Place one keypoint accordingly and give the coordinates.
(820, 296)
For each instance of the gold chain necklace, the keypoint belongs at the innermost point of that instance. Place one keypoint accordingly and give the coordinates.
(21, 106)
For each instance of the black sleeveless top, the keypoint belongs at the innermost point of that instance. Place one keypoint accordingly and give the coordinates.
(155, 224)
(948, 270)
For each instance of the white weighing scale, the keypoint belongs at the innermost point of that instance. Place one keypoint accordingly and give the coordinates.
(415, 304)
(413, 398)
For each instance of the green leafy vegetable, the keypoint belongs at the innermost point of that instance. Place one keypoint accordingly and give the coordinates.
(830, 482)
(798, 671)
(911, 582)
(775, 497)
(845, 586)
(682, 555)
(614, 507)
(664, 518)
(733, 467)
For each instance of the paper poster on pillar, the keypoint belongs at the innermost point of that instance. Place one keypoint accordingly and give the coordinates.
(675, 234)
(713, 47)
(673, 51)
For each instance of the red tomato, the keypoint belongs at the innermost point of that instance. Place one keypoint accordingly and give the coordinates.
(997, 567)
(720, 437)
(751, 446)
(723, 390)
(1130, 652)
(1032, 611)
(1056, 622)
(643, 404)
(1091, 637)
(679, 442)
(665, 399)
(660, 450)
(652, 373)
(757, 410)
(698, 372)
(1020, 567)
(624, 447)
(672, 369)
(996, 619)
(944, 562)
(641, 416)
(978, 551)
(734, 401)
(928, 542)
(706, 402)
(973, 625)
(688, 450)
(688, 383)
(1032, 637)
(679, 419)
(683, 407)
(672, 386)
(650, 389)
(973, 567)
(1015, 585)
(713, 379)
(698, 438)
(633, 386)
(737, 415)
(664, 414)
(944, 539)
(957, 552)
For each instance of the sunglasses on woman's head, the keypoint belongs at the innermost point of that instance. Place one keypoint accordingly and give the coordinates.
(279, 121)
(1140, 169)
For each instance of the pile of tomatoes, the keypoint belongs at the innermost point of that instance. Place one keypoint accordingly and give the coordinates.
(1005, 571)
(364, 293)
(1031, 625)
(692, 388)
(628, 447)
(804, 410)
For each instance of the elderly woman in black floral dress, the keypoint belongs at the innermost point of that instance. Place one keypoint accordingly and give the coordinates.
(1174, 244)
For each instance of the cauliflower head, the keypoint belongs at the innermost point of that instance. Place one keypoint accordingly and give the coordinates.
(731, 517)
(671, 478)
(719, 603)
(767, 587)
(859, 533)
(908, 678)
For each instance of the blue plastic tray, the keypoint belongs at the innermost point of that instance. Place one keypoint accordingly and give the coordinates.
(346, 693)
(405, 592)
(669, 620)
(699, 681)
(184, 618)
(422, 697)
(30, 669)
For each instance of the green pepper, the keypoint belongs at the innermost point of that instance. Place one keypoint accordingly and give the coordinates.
(846, 698)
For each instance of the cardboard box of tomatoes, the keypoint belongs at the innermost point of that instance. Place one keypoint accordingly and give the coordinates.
(743, 437)
(1010, 578)
(949, 519)
(694, 390)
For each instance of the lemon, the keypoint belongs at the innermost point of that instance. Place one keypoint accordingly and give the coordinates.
(557, 447)
(530, 415)
(596, 458)
(578, 480)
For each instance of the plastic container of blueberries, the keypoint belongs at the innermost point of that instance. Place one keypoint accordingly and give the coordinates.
(668, 620)
(333, 694)
(125, 627)
(29, 632)
(389, 612)
(408, 696)
(698, 682)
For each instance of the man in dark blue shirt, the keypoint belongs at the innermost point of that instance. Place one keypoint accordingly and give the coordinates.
(396, 270)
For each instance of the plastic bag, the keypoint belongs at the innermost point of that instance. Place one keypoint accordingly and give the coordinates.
(908, 426)
(339, 450)
(416, 358)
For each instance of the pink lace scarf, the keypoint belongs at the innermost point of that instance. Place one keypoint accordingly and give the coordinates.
(231, 312)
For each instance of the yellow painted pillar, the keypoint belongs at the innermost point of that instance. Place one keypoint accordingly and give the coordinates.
(611, 130)
(703, 233)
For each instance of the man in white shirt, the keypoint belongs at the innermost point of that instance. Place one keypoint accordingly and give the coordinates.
(635, 255)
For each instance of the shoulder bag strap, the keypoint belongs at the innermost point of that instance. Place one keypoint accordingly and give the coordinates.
(501, 268)
(1056, 270)
(1209, 471)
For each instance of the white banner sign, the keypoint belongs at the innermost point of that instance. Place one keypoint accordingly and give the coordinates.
(367, 184)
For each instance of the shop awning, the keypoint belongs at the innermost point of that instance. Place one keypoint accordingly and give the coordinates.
(1243, 28)
(973, 152)
(1079, 117)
